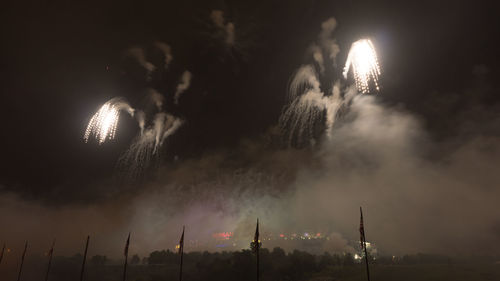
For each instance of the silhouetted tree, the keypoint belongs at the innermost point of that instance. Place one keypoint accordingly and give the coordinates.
(98, 260)
(135, 260)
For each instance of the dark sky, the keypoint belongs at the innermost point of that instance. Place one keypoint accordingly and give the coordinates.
(439, 63)
(55, 56)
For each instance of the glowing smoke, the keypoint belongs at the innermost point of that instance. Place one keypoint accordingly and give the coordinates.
(183, 85)
(325, 38)
(326, 44)
(103, 123)
(217, 17)
(156, 98)
(362, 59)
(167, 52)
(176, 124)
(139, 55)
(140, 116)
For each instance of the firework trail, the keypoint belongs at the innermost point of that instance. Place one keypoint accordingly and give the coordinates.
(176, 124)
(309, 109)
(305, 78)
(104, 122)
(145, 147)
(308, 105)
(362, 59)
(153, 133)
(140, 116)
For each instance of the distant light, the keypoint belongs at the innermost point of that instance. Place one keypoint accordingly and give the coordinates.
(222, 235)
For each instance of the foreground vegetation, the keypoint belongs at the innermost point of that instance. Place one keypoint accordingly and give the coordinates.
(275, 265)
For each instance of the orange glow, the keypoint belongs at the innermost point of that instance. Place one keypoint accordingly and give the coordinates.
(222, 235)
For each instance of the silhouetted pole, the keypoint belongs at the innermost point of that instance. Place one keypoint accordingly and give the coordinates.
(1, 254)
(258, 265)
(181, 251)
(50, 260)
(22, 261)
(363, 242)
(256, 246)
(126, 257)
(84, 258)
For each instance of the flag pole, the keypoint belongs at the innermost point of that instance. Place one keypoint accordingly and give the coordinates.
(257, 247)
(181, 251)
(126, 257)
(50, 260)
(22, 261)
(363, 243)
(84, 258)
(1, 254)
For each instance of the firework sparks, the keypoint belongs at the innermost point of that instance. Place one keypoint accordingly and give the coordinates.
(104, 122)
(362, 59)
(145, 148)
(309, 105)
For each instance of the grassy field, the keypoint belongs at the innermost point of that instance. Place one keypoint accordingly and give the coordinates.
(431, 272)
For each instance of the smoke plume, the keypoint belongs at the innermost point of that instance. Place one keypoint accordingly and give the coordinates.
(217, 17)
(167, 52)
(326, 44)
(378, 157)
(139, 55)
(183, 85)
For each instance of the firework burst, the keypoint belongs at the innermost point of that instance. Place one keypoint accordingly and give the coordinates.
(362, 59)
(145, 148)
(103, 123)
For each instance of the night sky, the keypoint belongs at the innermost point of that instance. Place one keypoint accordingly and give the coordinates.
(62, 60)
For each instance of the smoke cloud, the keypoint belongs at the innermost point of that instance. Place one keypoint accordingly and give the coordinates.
(167, 52)
(156, 98)
(140, 56)
(326, 44)
(217, 17)
(378, 157)
(183, 85)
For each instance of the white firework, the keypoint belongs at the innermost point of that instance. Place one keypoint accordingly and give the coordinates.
(103, 123)
(146, 147)
(362, 59)
(308, 105)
